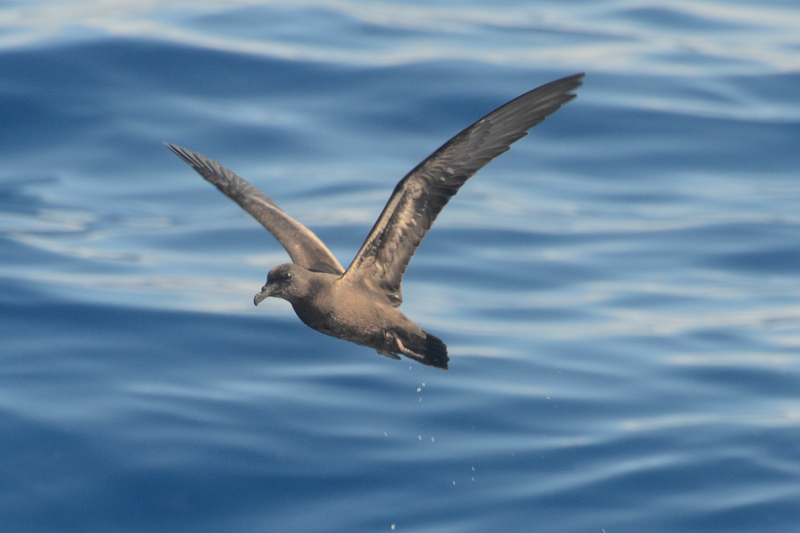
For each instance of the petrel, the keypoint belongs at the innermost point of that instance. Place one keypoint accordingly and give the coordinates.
(360, 304)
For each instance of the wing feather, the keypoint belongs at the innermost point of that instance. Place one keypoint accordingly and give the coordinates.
(304, 247)
(422, 193)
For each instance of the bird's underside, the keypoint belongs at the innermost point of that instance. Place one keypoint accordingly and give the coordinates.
(373, 279)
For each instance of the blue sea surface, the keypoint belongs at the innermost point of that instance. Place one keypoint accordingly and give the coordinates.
(620, 293)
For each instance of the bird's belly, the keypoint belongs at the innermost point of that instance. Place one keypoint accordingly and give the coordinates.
(363, 324)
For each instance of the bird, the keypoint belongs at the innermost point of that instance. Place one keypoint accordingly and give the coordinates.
(360, 304)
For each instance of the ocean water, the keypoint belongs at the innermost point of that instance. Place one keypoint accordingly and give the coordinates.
(620, 292)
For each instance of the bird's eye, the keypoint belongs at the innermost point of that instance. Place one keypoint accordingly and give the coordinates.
(288, 275)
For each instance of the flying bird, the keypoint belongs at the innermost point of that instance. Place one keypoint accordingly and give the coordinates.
(360, 304)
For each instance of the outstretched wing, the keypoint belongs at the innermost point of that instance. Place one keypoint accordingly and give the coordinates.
(421, 195)
(305, 248)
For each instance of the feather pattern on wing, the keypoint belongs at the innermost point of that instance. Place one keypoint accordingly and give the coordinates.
(421, 195)
(304, 247)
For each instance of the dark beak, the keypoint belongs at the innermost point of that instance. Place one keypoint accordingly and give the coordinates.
(266, 290)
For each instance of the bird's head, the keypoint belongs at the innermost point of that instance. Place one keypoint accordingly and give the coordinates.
(284, 281)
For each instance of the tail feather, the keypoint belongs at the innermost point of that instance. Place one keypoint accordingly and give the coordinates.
(428, 350)
(435, 352)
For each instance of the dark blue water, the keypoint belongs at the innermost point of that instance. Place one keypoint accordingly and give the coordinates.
(620, 292)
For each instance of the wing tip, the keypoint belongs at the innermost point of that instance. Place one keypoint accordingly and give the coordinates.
(187, 155)
(575, 80)
(560, 88)
(173, 147)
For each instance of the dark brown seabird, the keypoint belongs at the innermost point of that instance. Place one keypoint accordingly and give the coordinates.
(360, 304)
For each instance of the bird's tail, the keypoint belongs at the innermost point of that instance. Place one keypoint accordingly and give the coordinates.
(429, 350)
